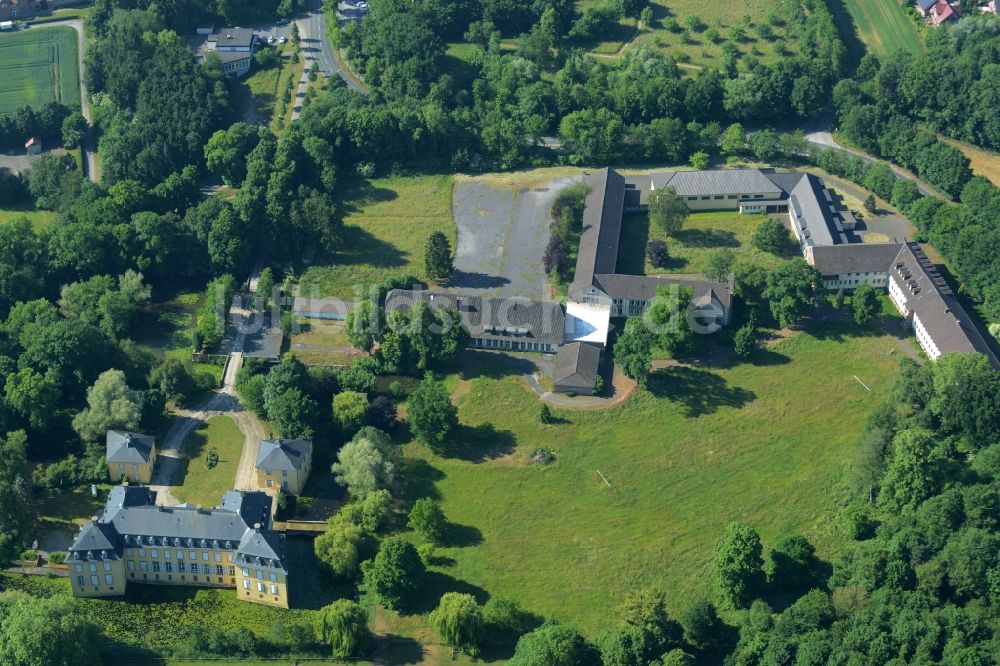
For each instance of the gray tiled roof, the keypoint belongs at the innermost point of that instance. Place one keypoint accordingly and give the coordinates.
(576, 366)
(933, 302)
(491, 318)
(602, 225)
(233, 38)
(289, 454)
(262, 548)
(716, 181)
(786, 182)
(128, 447)
(832, 260)
(643, 287)
(94, 537)
(816, 222)
(130, 518)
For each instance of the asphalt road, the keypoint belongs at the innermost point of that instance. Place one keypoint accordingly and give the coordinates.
(316, 45)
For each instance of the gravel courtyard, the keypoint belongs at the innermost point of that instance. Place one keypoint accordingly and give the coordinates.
(502, 233)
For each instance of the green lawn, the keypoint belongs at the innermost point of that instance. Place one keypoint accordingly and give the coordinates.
(881, 25)
(689, 248)
(762, 443)
(198, 484)
(39, 219)
(697, 48)
(386, 225)
(38, 66)
(321, 342)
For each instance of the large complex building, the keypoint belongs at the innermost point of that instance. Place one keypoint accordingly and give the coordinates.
(823, 233)
(599, 292)
(134, 540)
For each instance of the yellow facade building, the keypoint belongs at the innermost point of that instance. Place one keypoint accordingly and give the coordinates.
(130, 456)
(284, 464)
(136, 541)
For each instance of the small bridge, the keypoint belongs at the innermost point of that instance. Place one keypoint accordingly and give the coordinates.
(300, 526)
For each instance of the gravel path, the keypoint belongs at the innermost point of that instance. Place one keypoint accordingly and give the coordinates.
(224, 402)
(90, 141)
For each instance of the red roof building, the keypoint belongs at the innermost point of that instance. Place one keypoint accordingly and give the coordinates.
(942, 12)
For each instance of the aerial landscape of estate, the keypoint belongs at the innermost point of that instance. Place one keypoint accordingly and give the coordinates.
(540, 332)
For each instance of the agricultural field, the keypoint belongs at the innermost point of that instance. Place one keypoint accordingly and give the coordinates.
(881, 25)
(197, 483)
(38, 66)
(386, 224)
(701, 448)
(689, 248)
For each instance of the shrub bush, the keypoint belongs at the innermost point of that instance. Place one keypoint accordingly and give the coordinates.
(57, 557)
(212, 459)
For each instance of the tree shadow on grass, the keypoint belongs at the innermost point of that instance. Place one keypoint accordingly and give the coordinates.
(765, 357)
(419, 479)
(395, 649)
(436, 584)
(358, 192)
(471, 364)
(365, 248)
(707, 238)
(699, 392)
(462, 536)
(480, 443)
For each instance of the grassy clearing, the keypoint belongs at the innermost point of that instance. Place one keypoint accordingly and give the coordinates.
(696, 48)
(322, 342)
(756, 443)
(984, 162)
(386, 224)
(881, 25)
(38, 66)
(690, 248)
(197, 483)
(40, 219)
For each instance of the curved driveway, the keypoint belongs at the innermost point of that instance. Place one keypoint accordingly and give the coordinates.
(224, 402)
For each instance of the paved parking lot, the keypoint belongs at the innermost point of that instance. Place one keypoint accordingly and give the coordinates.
(502, 235)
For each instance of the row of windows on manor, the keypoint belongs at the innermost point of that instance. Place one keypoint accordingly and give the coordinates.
(720, 197)
(491, 343)
(284, 472)
(635, 308)
(193, 556)
(121, 467)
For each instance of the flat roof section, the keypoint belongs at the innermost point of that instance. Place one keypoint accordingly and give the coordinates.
(587, 322)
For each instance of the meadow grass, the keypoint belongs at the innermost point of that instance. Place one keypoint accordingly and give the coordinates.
(322, 342)
(199, 485)
(697, 49)
(386, 225)
(689, 248)
(881, 25)
(765, 444)
(38, 66)
(40, 219)
(985, 163)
